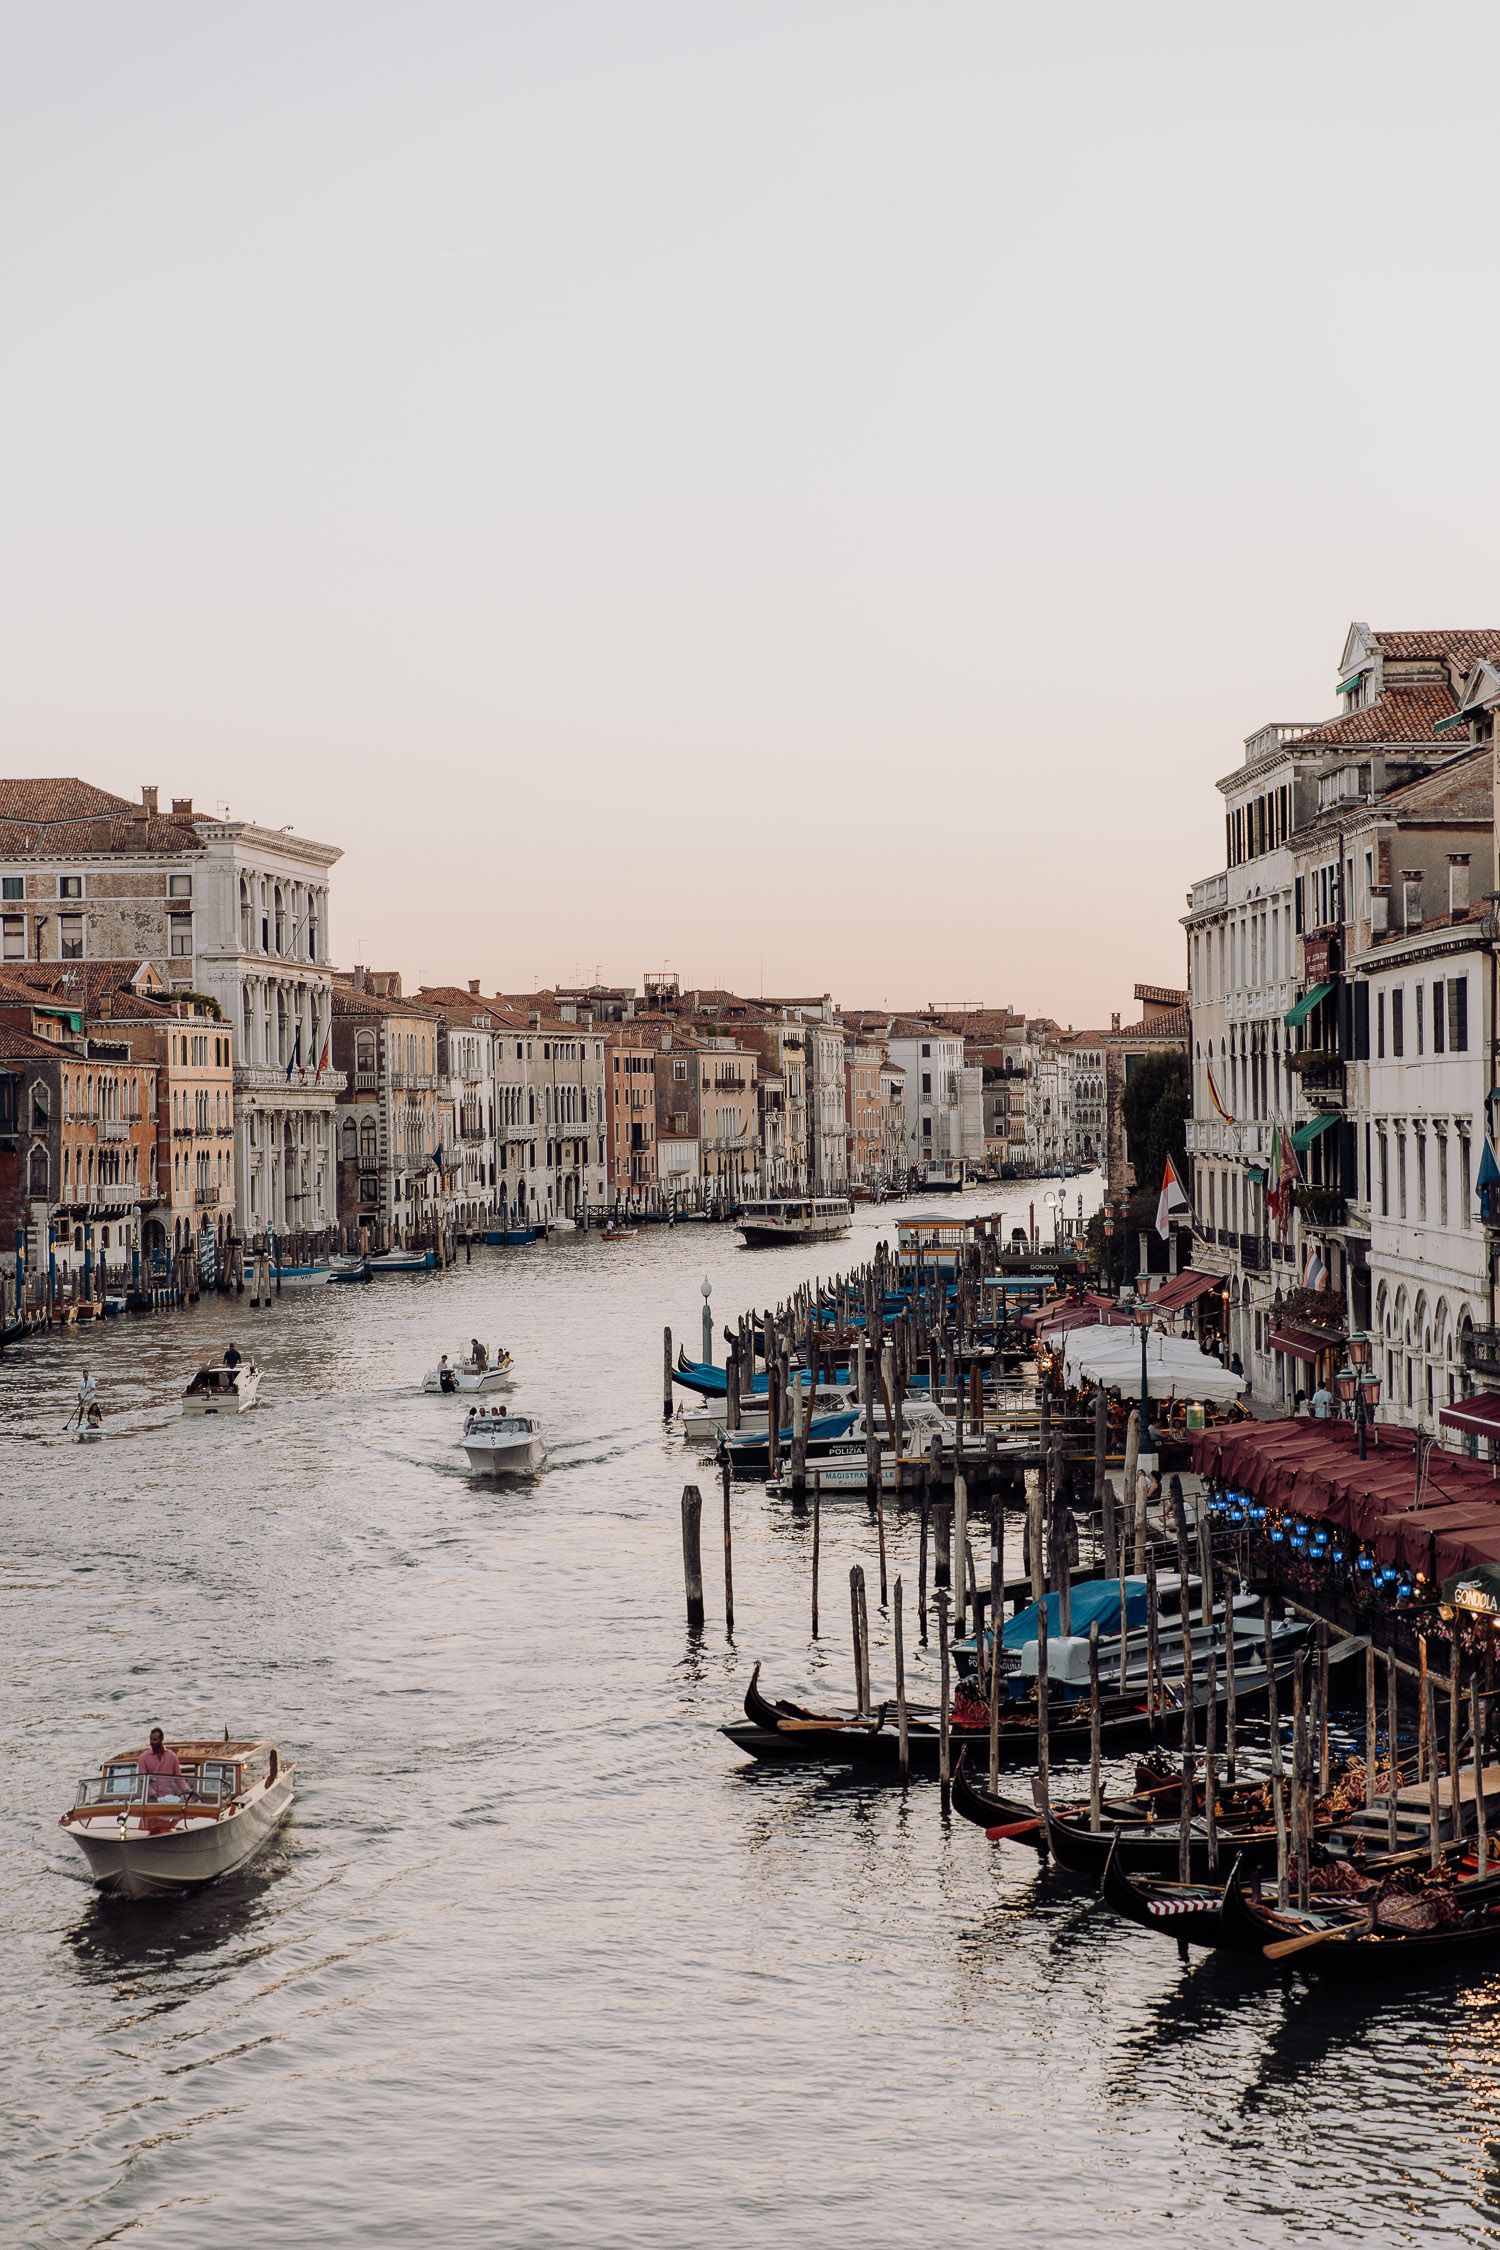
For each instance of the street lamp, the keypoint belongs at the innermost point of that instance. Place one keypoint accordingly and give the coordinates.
(708, 1323)
(1141, 1315)
(1109, 1250)
(1358, 1386)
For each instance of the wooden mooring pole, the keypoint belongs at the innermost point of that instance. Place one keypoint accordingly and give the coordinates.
(692, 1553)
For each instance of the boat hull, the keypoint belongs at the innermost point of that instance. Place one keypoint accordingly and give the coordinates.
(761, 1236)
(521, 1458)
(238, 1401)
(404, 1261)
(466, 1385)
(138, 1865)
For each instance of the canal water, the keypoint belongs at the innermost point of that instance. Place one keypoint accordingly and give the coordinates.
(538, 1961)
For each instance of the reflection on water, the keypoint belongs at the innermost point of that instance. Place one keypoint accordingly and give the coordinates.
(536, 1960)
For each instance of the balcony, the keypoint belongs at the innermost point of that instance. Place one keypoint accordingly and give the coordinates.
(366, 1081)
(114, 1128)
(1482, 1351)
(1321, 1206)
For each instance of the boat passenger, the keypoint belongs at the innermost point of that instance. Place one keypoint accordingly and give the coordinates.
(162, 1766)
(479, 1357)
(447, 1380)
(93, 1415)
(231, 1355)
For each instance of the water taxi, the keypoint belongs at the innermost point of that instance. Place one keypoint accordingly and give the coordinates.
(150, 1835)
(222, 1390)
(497, 1443)
(466, 1375)
(804, 1218)
(301, 1277)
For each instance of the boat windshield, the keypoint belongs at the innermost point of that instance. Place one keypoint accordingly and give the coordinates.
(122, 1784)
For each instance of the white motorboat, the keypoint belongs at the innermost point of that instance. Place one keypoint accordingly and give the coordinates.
(222, 1390)
(498, 1443)
(149, 1835)
(708, 1419)
(795, 1218)
(464, 1376)
(301, 1277)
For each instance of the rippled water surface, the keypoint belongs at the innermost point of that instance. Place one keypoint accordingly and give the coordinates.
(537, 1961)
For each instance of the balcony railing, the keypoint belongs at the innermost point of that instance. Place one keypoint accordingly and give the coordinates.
(114, 1128)
(1321, 1206)
(1482, 1351)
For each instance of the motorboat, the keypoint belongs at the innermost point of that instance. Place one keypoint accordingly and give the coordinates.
(355, 1267)
(313, 1276)
(795, 1218)
(945, 1175)
(222, 1390)
(706, 1422)
(499, 1443)
(617, 1234)
(403, 1261)
(151, 1835)
(465, 1377)
(511, 1235)
(839, 1439)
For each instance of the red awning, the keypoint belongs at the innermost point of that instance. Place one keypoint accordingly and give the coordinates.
(1182, 1289)
(1313, 1469)
(1301, 1343)
(1477, 1417)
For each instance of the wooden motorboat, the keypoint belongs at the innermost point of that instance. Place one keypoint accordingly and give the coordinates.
(151, 1835)
(499, 1443)
(353, 1268)
(465, 1377)
(222, 1390)
(617, 1234)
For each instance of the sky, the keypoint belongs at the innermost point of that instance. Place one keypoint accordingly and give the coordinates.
(807, 493)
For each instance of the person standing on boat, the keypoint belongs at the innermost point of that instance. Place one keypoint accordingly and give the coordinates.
(447, 1380)
(161, 1765)
(479, 1357)
(231, 1355)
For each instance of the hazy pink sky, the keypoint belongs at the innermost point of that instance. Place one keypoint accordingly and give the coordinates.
(809, 494)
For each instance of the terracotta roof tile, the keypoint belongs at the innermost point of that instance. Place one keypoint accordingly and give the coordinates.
(1401, 714)
(1467, 643)
(63, 818)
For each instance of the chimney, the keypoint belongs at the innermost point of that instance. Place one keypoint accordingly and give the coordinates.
(1458, 886)
(1380, 910)
(587, 1019)
(1114, 1021)
(534, 1019)
(182, 808)
(474, 986)
(1411, 898)
(357, 977)
(148, 803)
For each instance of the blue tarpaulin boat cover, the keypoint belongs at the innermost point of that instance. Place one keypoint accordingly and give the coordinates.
(1097, 1602)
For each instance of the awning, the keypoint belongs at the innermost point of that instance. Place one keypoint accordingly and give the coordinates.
(1476, 1417)
(1301, 1343)
(1297, 1016)
(1307, 1133)
(1182, 1289)
(1347, 687)
(1256, 1175)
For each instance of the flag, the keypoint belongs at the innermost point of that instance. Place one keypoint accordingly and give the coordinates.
(1213, 1095)
(437, 1158)
(323, 1057)
(296, 1056)
(1284, 1171)
(1171, 1204)
(1314, 1270)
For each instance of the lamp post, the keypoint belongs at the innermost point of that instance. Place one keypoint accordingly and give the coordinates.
(1141, 1314)
(1109, 1251)
(708, 1323)
(1358, 1386)
(1054, 1203)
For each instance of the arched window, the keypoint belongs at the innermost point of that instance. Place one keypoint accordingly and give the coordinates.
(368, 1145)
(247, 917)
(350, 1140)
(364, 1050)
(36, 1172)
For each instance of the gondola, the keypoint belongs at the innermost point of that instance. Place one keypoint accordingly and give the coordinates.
(870, 1743)
(1348, 1936)
(1190, 1912)
(1012, 1820)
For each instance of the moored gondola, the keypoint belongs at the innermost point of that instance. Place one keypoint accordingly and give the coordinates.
(1000, 1817)
(1191, 1912)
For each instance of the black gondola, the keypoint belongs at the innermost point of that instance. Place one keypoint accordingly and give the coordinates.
(1190, 1912)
